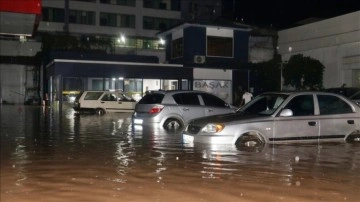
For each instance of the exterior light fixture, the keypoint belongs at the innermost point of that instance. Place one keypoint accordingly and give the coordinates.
(162, 41)
(122, 38)
(121, 78)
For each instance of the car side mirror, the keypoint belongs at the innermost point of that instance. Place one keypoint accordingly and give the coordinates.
(286, 113)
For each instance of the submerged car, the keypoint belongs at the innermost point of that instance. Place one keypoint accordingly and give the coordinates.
(356, 98)
(101, 102)
(173, 109)
(281, 117)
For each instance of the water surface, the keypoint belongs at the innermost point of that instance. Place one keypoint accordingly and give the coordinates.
(47, 155)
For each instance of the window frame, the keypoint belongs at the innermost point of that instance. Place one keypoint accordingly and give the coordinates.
(177, 50)
(214, 101)
(184, 98)
(218, 43)
(330, 98)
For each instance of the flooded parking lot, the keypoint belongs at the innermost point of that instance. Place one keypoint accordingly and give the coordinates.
(47, 155)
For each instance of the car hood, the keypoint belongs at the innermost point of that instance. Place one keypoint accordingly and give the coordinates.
(224, 118)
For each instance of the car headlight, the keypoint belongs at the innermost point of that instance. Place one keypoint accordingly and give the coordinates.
(213, 128)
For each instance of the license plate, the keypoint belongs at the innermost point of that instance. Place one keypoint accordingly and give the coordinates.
(188, 138)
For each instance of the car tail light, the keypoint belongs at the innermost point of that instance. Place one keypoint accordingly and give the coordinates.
(156, 109)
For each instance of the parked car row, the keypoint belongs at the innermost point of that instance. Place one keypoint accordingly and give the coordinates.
(273, 117)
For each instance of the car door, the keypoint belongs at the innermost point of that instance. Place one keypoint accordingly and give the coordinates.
(337, 118)
(302, 126)
(214, 105)
(109, 102)
(189, 106)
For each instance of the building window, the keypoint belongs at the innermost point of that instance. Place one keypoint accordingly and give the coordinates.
(133, 87)
(158, 23)
(219, 46)
(131, 42)
(120, 2)
(173, 5)
(177, 48)
(53, 14)
(117, 20)
(82, 17)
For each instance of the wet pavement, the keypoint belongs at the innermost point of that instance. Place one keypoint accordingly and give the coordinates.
(47, 155)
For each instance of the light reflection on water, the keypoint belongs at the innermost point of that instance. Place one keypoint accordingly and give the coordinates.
(52, 156)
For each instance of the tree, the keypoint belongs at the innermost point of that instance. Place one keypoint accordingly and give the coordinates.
(303, 73)
(267, 74)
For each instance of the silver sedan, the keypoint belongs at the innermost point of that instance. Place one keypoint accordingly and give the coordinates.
(281, 117)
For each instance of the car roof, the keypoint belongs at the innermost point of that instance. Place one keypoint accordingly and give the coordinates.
(176, 91)
(347, 91)
(301, 92)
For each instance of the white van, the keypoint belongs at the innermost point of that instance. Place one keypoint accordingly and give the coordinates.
(101, 102)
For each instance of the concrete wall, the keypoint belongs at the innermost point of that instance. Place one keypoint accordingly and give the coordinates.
(12, 83)
(261, 49)
(16, 78)
(335, 42)
(17, 48)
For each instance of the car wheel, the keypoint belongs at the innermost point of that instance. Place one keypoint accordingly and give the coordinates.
(250, 142)
(353, 138)
(172, 124)
(100, 112)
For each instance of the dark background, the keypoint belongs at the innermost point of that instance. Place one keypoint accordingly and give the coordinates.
(286, 13)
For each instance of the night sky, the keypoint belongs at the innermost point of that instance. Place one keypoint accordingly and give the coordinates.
(285, 13)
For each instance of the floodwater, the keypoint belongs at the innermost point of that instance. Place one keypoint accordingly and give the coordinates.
(47, 155)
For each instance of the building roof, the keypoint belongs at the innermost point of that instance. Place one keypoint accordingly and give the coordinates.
(218, 23)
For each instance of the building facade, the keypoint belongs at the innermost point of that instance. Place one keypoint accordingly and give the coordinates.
(127, 28)
(217, 54)
(111, 26)
(335, 42)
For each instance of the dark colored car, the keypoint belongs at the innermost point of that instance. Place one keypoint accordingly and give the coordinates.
(345, 91)
(356, 98)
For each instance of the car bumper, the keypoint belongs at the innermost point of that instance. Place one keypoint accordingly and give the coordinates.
(207, 139)
(145, 120)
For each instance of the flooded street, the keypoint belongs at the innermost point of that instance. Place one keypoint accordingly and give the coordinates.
(52, 156)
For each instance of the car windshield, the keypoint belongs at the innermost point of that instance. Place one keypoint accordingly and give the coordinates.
(152, 98)
(265, 104)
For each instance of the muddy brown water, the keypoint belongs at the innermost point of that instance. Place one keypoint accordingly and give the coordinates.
(52, 155)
